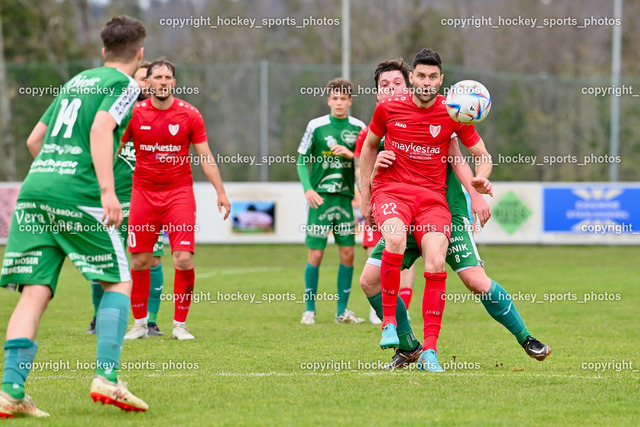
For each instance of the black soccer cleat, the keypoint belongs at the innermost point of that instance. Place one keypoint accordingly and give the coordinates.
(153, 329)
(404, 358)
(92, 327)
(536, 349)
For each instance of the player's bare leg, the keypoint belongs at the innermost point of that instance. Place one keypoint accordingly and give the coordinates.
(500, 306)
(373, 316)
(395, 235)
(434, 248)
(345, 278)
(183, 292)
(141, 277)
(311, 276)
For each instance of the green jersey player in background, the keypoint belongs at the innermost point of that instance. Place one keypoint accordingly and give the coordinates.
(327, 145)
(123, 166)
(67, 207)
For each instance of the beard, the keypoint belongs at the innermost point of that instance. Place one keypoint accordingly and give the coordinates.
(426, 95)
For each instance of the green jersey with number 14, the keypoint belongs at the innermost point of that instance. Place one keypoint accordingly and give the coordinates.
(63, 170)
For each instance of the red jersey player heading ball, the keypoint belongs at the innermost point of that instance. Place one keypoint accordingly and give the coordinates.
(410, 195)
(162, 129)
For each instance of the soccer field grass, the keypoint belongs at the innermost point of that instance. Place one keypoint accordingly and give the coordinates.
(249, 363)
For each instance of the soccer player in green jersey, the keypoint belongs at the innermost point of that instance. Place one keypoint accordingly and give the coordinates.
(327, 145)
(68, 206)
(124, 164)
(462, 254)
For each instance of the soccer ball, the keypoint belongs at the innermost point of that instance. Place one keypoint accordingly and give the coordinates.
(468, 102)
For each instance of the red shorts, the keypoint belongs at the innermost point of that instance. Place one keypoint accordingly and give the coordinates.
(420, 209)
(172, 210)
(371, 236)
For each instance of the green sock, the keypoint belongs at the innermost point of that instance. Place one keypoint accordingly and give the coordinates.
(407, 339)
(157, 283)
(499, 305)
(18, 359)
(311, 276)
(96, 295)
(345, 277)
(111, 326)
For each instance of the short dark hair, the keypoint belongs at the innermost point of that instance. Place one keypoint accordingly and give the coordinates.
(340, 85)
(427, 57)
(121, 37)
(393, 65)
(159, 63)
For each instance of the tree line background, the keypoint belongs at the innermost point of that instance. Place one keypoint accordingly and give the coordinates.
(536, 76)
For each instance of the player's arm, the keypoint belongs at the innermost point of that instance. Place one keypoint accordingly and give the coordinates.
(304, 150)
(484, 164)
(479, 205)
(101, 138)
(36, 138)
(211, 171)
(367, 162)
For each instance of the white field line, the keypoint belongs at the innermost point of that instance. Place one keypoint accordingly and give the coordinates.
(231, 272)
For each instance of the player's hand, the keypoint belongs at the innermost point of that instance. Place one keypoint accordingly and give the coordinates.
(366, 210)
(223, 202)
(482, 186)
(112, 214)
(313, 198)
(480, 209)
(341, 150)
(384, 160)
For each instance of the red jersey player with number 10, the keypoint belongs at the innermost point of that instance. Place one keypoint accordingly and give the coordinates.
(409, 196)
(162, 129)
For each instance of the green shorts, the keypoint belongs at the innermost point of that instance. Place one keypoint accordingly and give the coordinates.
(461, 253)
(125, 204)
(335, 214)
(43, 233)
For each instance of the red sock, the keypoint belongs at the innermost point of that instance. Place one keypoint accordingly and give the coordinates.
(140, 292)
(432, 307)
(405, 295)
(182, 292)
(390, 281)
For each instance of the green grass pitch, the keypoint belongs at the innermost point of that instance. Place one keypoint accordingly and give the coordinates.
(250, 361)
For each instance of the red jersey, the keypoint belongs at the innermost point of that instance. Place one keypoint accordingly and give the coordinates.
(161, 139)
(420, 139)
(362, 135)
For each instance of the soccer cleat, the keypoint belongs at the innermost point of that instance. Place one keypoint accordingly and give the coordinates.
(308, 318)
(105, 391)
(536, 349)
(11, 407)
(389, 337)
(373, 317)
(180, 332)
(404, 358)
(348, 316)
(428, 361)
(153, 329)
(139, 330)
(92, 326)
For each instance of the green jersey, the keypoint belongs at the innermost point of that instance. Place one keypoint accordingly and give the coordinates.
(330, 173)
(456, 199)
(63, 170)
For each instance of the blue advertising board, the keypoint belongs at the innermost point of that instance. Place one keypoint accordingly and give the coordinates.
(602, 209)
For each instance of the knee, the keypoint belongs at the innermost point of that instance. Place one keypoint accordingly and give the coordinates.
(346, 255)
(183, 260)
(155, 261)
(435, 263)
(395, 242)
(315, 257)
(369, 283)
(140, 262)
(476, 281)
